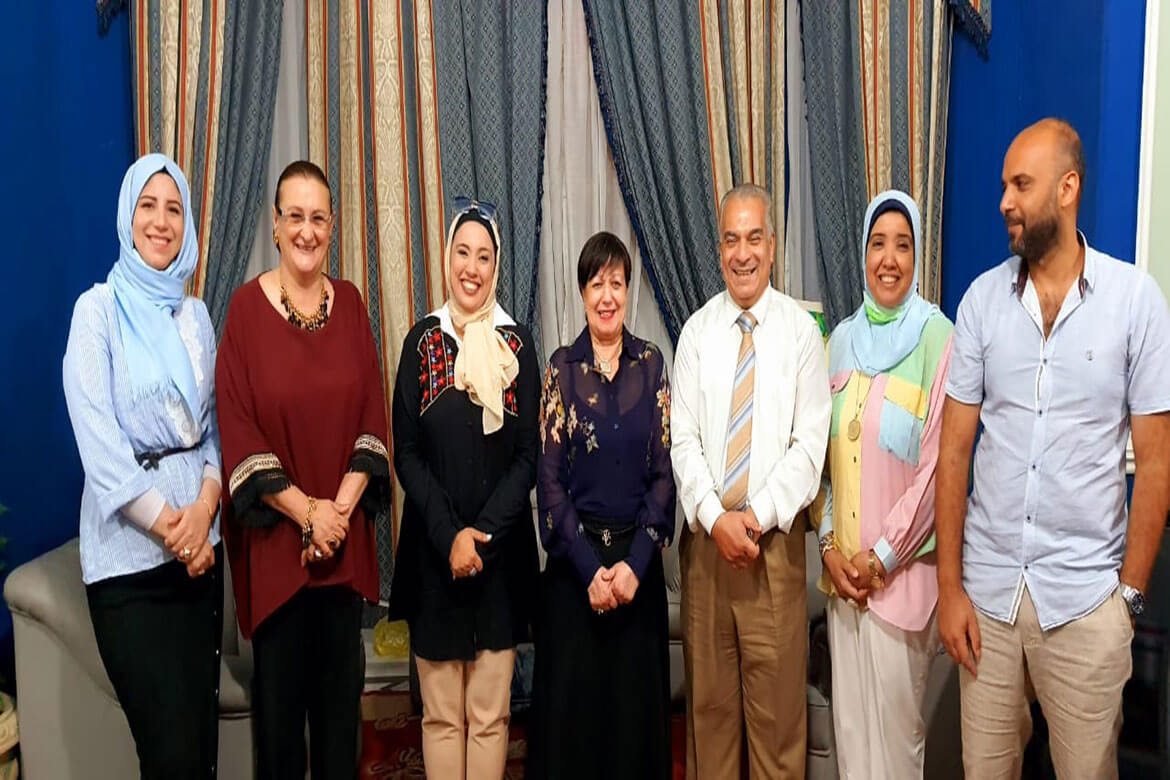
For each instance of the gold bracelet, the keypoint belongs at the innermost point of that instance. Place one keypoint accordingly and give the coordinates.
(828, 542)
(873, 571)
(307, 526)
(207, 506)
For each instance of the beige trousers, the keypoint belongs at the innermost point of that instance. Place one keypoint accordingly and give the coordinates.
(465, 715)
(879, 683)
(745, 649)
(1076, 670)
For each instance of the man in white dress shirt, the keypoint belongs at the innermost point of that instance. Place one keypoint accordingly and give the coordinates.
(750, 421)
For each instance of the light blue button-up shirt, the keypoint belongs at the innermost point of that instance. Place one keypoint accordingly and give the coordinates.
(1048, 509)
(121, 500)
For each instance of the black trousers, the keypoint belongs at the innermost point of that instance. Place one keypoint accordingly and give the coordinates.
(308, 662)
(158, 634)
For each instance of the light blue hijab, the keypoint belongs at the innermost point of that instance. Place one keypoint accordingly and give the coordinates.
(148, 299)
(881, 338)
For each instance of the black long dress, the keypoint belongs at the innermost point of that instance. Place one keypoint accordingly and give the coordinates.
(454, 476)
(601, 688)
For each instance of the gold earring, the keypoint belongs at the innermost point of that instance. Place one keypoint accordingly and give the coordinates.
(275, 240)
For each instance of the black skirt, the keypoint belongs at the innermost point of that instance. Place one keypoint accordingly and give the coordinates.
(601, 685)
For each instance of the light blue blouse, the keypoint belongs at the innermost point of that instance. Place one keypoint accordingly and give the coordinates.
(121, 500)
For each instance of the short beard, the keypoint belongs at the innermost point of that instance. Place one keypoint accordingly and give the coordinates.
(1033, 243)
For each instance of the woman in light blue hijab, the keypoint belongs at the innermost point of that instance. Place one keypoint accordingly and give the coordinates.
(888, 363)
(138, 377)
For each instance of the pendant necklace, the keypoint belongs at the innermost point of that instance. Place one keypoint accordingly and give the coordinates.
(854, 429)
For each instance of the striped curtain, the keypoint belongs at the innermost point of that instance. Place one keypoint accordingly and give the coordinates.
(648, 62)
(877, 75)
(743, 61)
(490, 62)
(204, 84)
(373, 130)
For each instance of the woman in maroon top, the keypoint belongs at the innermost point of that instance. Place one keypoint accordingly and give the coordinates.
(303, 421)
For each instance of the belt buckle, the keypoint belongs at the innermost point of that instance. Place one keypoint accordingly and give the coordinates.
(606, 537)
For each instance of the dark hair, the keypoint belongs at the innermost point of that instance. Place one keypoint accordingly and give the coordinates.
(305, 169)
(601, 251)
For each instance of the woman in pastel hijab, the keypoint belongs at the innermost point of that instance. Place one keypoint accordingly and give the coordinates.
(875, 515)
(138, 376)
(465, 447)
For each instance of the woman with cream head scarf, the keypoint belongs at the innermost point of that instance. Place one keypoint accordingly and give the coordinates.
(465, 446)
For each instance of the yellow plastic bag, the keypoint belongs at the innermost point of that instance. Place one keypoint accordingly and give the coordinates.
(392, 640)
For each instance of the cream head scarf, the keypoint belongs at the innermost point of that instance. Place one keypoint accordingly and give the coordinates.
(485, 365)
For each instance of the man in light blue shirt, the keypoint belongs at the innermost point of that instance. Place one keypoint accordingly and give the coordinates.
(1060, 352)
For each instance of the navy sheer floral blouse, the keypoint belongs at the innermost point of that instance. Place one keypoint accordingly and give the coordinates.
(605, 453)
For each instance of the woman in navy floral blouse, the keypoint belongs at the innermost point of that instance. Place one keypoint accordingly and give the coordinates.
(606, 510)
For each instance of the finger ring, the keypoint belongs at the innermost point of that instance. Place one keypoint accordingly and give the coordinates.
(474, 571)
(317, 554)
(601, 612)
(185, 553)
(333, 543)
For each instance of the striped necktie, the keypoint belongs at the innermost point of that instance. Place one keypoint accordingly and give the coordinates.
(739, 427)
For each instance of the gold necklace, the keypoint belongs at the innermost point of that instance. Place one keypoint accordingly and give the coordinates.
(298, 318)
(605, 365)
(854, 429)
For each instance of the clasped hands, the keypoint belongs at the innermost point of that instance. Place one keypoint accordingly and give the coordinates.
(330, 521)
(184, 533)
(612, 586)
(851, 577)
(737, 535)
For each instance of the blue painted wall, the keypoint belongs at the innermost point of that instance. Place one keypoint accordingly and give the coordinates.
(1082, 62)
(67, 136)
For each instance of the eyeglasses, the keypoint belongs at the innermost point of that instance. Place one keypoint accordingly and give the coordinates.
(296, 220)
(464, 204)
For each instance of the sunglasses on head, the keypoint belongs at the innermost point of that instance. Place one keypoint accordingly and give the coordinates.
(464, 204)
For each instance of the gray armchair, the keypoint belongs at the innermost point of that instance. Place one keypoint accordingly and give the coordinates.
(71, 727)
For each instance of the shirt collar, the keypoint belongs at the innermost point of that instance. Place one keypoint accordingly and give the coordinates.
(759, 310)
(1085, 282)
(499, 318)
(582, 349)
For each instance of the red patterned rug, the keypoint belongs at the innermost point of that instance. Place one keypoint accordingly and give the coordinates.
(392, 740)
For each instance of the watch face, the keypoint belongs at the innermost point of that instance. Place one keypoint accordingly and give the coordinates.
(1137, 603)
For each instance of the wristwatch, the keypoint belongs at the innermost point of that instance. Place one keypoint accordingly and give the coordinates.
(1134, 599)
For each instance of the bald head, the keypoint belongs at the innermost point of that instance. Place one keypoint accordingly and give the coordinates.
(1043, 173)
(1060, 143)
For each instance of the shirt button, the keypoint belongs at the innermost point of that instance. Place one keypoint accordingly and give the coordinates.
(1039, 412)
(616, 426)
(1033, 467)
(1028, 518)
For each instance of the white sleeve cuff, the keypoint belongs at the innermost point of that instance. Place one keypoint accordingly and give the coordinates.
(709, 511)
(144, 510)
(761, 503)
(212, 473)
(885, 554)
